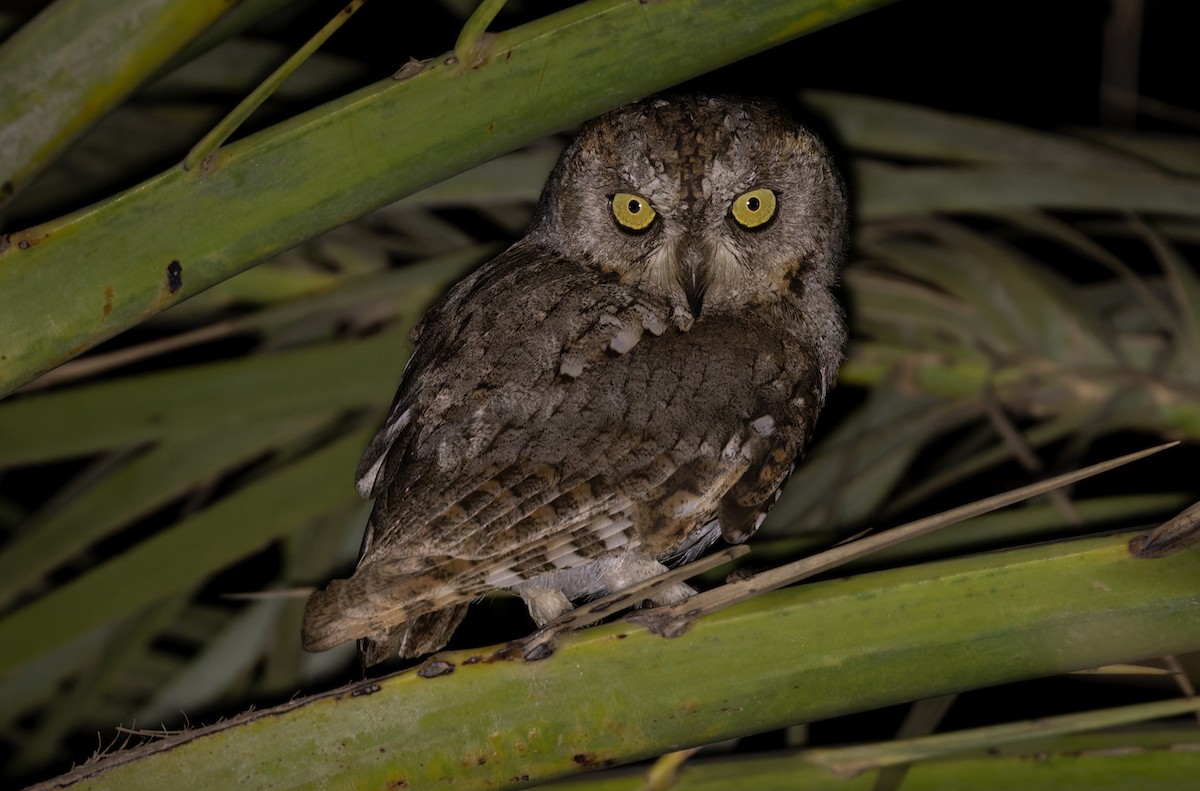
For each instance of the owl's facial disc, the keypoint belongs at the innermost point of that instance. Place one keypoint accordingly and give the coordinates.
(707, 204)
(703, 256)
(696, 240)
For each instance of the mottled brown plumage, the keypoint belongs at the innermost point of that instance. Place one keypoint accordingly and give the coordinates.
(611, 393)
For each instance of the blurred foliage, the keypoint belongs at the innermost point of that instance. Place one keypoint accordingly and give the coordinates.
(1158, 759)
(1021, 300)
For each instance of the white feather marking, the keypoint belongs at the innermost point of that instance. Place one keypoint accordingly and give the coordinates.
(391, 429)
(502, 578)
(566, 559)
(651, 320)
(626, 339)
(615, 534)
(763, 426)
(366, 482)
(571, 366)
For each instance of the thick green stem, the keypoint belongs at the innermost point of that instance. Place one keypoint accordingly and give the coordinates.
(72, 282)
(613, 694)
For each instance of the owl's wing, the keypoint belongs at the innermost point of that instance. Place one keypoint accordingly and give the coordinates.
(746, 504)
(544, 423)
(519, 421)
(779, 433)
(511, 318)
(502, 453)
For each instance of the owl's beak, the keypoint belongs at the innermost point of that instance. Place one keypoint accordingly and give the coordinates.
(694, 260)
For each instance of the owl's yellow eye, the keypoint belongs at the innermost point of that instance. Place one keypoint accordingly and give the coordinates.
(754, 209)
(633, 212)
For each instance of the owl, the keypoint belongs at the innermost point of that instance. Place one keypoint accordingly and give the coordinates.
(630, 382)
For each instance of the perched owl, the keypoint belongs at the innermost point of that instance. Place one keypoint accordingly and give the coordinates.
(628, 382)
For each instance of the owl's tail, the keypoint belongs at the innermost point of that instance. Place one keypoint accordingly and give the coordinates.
(387, 607)
(422, 635)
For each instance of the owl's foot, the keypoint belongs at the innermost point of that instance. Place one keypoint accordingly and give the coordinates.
(674, 594)
(545, 604)
(663, 589)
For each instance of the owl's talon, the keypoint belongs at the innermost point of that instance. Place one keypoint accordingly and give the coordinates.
(673, 595)
(538, 651)
(664, 621)
(435, 668)
(539, 645)
(545, 604)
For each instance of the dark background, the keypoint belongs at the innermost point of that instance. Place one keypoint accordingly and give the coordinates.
(1035, 62)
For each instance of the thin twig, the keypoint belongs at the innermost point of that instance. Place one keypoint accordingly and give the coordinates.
(230, 123)
(674, 619)
(466, 48)
(1023, 451)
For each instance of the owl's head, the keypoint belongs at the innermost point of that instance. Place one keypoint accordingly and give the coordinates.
(710, 203)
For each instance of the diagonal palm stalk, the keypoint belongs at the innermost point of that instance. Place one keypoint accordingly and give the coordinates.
(116, 263)
(615, 694)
